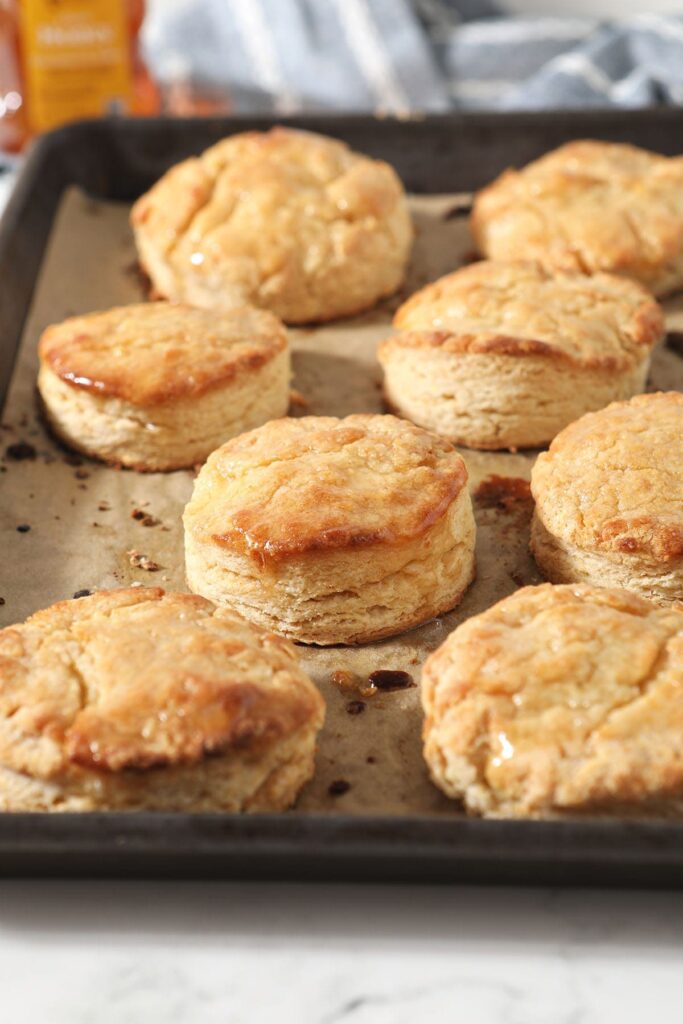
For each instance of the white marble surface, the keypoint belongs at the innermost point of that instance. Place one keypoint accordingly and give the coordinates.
(164, 953)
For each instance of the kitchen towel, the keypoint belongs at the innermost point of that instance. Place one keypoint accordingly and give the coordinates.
(398, 56)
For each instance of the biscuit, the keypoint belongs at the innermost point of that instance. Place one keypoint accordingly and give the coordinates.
(332, 531)
(609, 499)
(589, 206)
(558, 700)
(287, 220)
(156, 386)
(140, 700)
(504, 355)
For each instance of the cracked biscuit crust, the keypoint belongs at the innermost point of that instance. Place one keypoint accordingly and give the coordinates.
(504, 354)
(287, 220)
(316, 483)
(610, 488)
(332, 531)
(137, 698)
(558, 699)
(589, 206)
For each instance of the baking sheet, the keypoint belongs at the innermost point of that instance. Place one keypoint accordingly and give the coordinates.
(81, 530)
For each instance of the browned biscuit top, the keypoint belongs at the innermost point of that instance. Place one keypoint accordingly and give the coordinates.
(613, 479)
(589, 206)
(283, 164)
(156, 352)
(319, 483)
(273, 217)
(140, 679)
(518, 308)
(558, 697)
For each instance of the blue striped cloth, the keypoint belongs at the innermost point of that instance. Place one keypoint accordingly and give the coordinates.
(398, 56)
(395, 56)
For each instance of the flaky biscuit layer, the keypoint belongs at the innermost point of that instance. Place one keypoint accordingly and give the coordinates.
(609, 498)
(332, 531)
(504, 355)
(157, 386)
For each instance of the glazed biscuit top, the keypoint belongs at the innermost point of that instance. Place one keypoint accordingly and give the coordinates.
(265, 198)
(613, 479)
(156, 352)
(319, 483)
(517, 308)
(555, 676)
(586, 206)
(137, 679)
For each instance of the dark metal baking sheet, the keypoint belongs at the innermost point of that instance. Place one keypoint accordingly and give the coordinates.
(118, 160)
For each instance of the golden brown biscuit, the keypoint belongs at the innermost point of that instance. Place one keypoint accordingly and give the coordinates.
(504, 355)
(609, 499)
(135, 699)
(558, 699)
(332, 531)
(589, 206)
(287, 220)
(157, 386)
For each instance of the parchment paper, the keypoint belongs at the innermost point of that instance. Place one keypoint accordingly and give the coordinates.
(79, 512)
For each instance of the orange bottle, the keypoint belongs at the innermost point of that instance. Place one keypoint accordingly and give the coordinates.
(78, 58)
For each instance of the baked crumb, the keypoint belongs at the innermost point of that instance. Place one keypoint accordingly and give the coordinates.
(506, 493)
(144, 518)
(349, 682)
(20, 451)
(298, 400)
(140, 561)
(390, 679)
(355, 707)
(338, 787)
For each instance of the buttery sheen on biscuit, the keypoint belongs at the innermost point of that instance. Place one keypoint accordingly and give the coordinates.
(609, 499)
(557, 700)
(157, 386)
(589, 206)
(140, 700)
(287, 220)
(504, 354)
(332, 531)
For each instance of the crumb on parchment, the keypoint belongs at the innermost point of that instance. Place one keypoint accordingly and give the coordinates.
(140, 561)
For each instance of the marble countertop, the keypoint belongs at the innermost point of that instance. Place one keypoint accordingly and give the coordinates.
(189, 953)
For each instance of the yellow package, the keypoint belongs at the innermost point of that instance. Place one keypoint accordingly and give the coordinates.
(78, 59)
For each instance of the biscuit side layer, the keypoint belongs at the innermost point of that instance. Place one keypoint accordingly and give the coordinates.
(344, 596)
(498, 401)
(174, 435)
